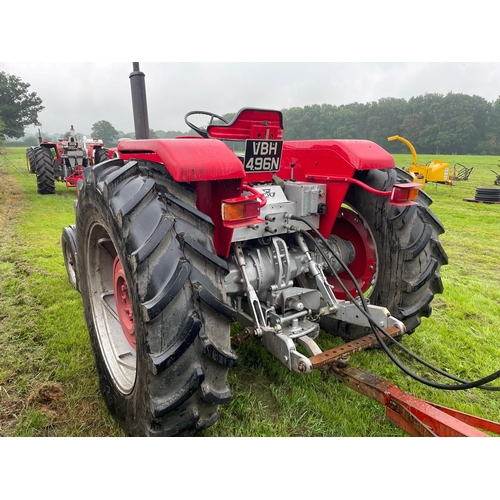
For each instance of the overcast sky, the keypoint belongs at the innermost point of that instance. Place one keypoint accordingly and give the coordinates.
(81, 94)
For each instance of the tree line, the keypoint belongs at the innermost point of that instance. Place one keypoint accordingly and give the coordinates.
(102, 129)
(433, 123)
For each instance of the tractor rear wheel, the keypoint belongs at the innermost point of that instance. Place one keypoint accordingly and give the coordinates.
(68, 245)
(154, 299)
(398, 254)
(100, 155)
(44, 171)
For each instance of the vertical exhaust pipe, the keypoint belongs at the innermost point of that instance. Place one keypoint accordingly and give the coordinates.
(139, 104)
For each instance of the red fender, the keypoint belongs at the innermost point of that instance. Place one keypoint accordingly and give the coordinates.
(217, 173)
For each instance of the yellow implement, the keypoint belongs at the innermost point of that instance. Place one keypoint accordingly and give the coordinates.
(435, 171)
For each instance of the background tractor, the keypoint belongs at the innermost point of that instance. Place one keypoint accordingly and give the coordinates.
(176, 239)
(95, 149)
(30, 155)
(63, 161)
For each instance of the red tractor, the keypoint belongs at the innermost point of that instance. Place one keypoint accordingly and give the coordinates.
(176, 239)
(63, 161)
(96, 151)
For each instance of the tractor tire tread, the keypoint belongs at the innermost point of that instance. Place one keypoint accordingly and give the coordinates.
(149, 215)
(100, 155)
(44, 171)
(408, 250)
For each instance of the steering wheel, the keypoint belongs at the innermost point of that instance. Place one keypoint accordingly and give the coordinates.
(202, 131)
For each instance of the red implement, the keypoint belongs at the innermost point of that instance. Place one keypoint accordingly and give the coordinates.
(414, 415)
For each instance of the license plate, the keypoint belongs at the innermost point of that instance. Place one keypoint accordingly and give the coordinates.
(262, 156)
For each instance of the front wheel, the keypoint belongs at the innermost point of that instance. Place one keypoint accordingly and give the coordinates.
(68, 246)
(30, 160)
(398, 254)
(153, 292)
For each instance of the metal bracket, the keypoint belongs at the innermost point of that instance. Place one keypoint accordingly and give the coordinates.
(317, 273)
(350, 313)
(284, 349)
(253, 300)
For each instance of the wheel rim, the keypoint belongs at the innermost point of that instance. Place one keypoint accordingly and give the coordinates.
(70, 264)
(123, 304)
(351, 226)
(111, 308)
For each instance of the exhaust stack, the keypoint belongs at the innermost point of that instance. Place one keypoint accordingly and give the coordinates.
(139, 103)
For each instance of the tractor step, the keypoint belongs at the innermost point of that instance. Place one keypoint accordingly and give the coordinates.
(343, 351)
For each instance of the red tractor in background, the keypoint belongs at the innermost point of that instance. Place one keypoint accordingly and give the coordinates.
(96, 151)
(176, 239)
(63, 161)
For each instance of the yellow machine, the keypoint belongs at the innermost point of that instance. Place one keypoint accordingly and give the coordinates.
(435, 171)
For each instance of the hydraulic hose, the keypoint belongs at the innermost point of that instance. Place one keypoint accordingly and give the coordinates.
(375, 328)
(373, 324)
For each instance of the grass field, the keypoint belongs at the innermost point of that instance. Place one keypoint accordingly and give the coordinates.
(48, 383)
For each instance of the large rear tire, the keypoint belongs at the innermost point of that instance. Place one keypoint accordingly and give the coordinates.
(100, 155)
(154, 299)
(44, 171)
(400, 263)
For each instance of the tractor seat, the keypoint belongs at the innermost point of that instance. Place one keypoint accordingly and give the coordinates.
(250, 123)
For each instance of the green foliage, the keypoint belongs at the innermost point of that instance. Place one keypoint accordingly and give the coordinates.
(433, 123)
(105, 131)
(2, 140)
(31, 140)
(157, 134)
(228, 117)
(18, 107)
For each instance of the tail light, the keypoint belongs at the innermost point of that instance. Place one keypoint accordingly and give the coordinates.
(244, 210)
(402, 195)
(239, 210)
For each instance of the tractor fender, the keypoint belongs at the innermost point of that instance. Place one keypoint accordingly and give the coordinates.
(332, 162)
(187, 160)
(210, 166)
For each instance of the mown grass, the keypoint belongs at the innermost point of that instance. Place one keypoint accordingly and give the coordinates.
(44, 343)
(47, 381)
